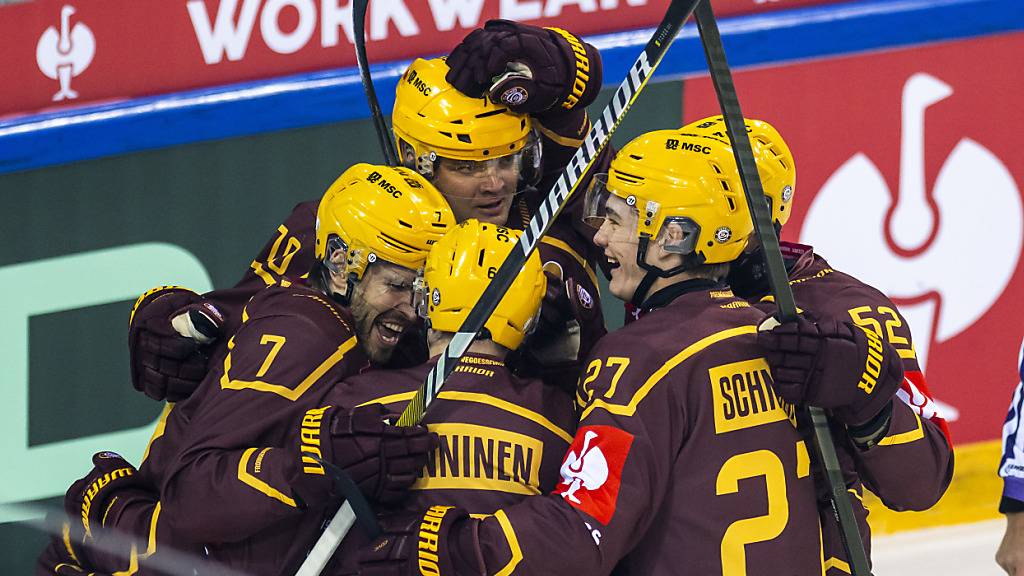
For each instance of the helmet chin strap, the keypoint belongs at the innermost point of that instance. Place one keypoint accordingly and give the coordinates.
(690, 261)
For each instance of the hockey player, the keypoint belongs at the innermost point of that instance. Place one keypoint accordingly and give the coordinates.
(685, 460)
(901, 452)
(1010, 555)
(483, 156)
(501, 438)
(236, 465)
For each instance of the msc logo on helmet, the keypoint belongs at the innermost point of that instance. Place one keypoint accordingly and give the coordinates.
(375, 178)
(418, 84)
(673, 144)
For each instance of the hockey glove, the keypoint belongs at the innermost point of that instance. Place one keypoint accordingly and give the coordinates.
(167, 330)
(414, 543)
(833, 365)
(529, 69)
(93, 505)
(383, 460)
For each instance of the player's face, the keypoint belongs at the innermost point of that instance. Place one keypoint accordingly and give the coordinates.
(479, 189)
(382, 308)
(617, 236)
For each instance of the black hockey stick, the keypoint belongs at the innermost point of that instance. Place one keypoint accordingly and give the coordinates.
(595, 140)
(387, 144)
(777, 277)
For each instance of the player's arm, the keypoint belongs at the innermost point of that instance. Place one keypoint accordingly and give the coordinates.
(856, 373)
(172, 330)
(1010, 555)
(110, 521)
(235, 473)
(910, 465)
(550, 74)
(614, 477)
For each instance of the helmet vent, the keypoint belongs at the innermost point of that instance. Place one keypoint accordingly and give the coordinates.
(631, 178)
(396, 243)
(491, 113)
(404, 223)
(465, 138)
(459, 121)
(480, 260)
(715, 167)
(732, 204)
(636, 157)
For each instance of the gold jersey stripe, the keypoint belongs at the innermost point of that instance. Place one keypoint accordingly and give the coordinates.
(260, 485)
(290, 393)
(481, 399)
(566, 141)
(513, 544)
(158, 431)
(905, 437)
(838, 564)
(629, 408)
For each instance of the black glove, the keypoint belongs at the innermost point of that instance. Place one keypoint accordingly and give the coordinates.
(383, 460)
(413, 541)
(166, 333)
(529, 69)
(833, 365)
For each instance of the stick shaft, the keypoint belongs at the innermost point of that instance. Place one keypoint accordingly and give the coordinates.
(777, 277)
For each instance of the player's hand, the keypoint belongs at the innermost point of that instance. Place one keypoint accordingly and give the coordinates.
(833, 365)
(383, 460)
(1010, 555)
(111, 483)
(168, 328)
(396, 551)
(529, 69)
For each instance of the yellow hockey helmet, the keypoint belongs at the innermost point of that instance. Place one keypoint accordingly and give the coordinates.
(380, 213)
(459, 268)
(774, 161)
(436, 120)
(684, 190)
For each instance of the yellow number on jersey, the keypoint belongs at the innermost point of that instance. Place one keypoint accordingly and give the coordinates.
(278, 342)
(862, 316)
(594, 370)
(760, 528)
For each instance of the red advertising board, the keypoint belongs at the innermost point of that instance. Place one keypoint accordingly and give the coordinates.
(909, 177)
(65, 52)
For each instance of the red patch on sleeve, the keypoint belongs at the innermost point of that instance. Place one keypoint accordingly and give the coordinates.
(592, 470)
(914, 392)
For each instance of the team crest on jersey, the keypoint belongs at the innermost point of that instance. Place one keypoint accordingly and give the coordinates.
(592, 470)
(586, 300)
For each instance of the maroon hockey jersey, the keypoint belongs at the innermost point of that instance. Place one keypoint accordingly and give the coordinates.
(501, 438)
(912, 466)
(684, 461)
(225, 458)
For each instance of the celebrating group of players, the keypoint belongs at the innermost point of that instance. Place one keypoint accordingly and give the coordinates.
(673, 445)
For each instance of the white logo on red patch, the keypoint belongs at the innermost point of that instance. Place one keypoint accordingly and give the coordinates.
(592, 470)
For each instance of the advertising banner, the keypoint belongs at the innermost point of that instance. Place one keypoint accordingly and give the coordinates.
(909, 177)
(65, 52)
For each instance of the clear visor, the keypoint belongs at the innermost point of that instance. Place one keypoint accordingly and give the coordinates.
(677, 234)
(601, 202)
(464, 177)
